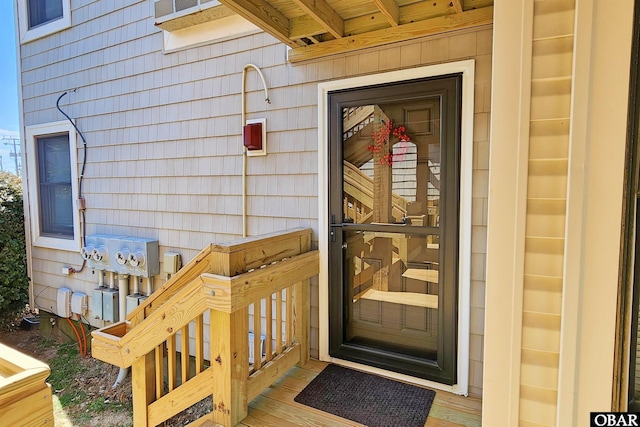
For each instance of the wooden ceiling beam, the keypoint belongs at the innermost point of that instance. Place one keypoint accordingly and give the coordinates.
(429, 27)
(390, 10)
(324, 14)
(457, 5)
(305, 26)
(263, 15)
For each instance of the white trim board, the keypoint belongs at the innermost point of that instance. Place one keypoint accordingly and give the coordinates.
(467, 69)
(220, 30)
(27, 34)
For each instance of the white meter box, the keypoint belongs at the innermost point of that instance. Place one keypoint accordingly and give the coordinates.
(135, 256)
(95, 251)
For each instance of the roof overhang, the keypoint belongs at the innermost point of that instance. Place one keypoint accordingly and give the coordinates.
(320, 28)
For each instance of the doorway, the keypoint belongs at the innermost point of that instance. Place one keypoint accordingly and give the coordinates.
(394, 214)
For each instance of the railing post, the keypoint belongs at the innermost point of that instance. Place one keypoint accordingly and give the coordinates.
(301, 319)
(229, 355)
(302, 308)
(143, 388)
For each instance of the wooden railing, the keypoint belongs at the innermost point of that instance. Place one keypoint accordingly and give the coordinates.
(257, 285)
(358, 196)
(354, 119)
(25, 396)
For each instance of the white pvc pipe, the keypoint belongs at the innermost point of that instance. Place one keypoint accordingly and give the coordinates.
(136, 286)
(123, 289)
(244, 149)
(149, 285)
(122, 374)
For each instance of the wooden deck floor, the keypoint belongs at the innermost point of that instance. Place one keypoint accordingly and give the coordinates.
(275, 406)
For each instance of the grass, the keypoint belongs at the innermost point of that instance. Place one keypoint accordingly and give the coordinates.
(79, 388)
(83, 395)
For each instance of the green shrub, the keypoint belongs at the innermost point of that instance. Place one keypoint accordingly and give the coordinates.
(14, 283)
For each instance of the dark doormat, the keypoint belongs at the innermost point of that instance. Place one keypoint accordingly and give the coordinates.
(367, 399)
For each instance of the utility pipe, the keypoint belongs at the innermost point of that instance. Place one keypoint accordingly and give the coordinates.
(122, 374)
(244, 149)
(123, 288)
(149, 285)
(136, 286)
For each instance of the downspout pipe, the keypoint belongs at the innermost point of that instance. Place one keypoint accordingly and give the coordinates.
(244, 149)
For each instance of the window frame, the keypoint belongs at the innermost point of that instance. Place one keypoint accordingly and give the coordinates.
(29, 34)
(33, 185)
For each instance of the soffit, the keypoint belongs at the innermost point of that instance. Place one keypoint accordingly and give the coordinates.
(318, 28)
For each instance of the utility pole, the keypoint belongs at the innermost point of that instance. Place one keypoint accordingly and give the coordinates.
(15, 154)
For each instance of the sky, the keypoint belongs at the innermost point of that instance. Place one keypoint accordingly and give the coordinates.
(9, 124)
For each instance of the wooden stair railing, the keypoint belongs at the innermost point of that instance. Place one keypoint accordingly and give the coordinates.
(259, 285)
(25, 396)
(358, 196)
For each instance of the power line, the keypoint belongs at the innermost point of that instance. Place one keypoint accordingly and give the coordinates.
(16, 153)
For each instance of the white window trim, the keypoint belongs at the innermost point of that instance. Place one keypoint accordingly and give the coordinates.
(28, 35)
(467, 68)
(32, 185)
(220, 30)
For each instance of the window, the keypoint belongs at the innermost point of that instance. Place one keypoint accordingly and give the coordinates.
(52, 185)
(39, 18)
(41, 12)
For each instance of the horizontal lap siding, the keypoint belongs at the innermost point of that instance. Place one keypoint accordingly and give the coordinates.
(164, 140)
(544, 261)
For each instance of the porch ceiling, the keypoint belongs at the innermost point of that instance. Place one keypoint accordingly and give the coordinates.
(315, 28)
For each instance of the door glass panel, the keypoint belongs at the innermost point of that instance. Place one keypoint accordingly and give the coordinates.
(392, 292)
(391, 163)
